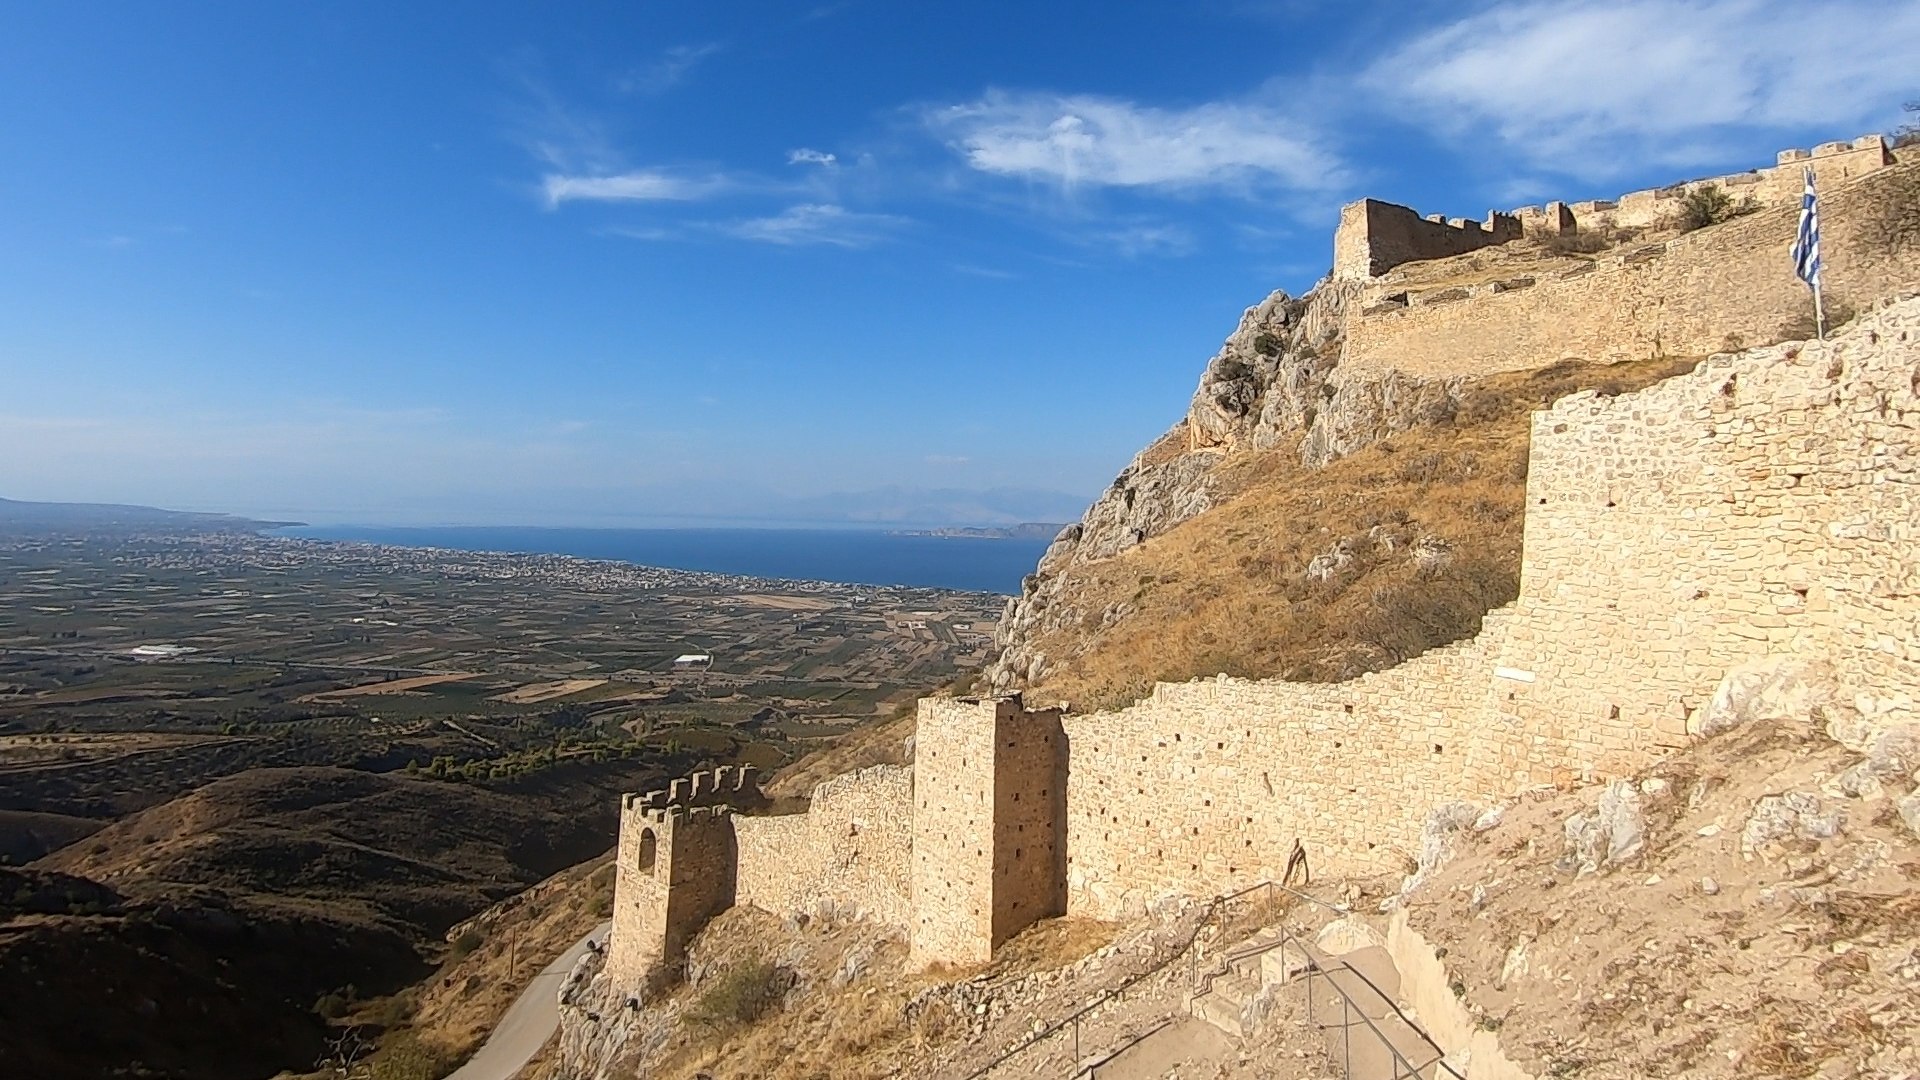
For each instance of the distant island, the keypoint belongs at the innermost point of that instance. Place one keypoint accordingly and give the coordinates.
(1028, 530)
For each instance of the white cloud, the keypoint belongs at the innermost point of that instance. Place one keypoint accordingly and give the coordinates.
(805, 156)
(816, 223)
(948, 459)
(1579, 86)
(667, 71)
(639, 185)
(1075, 140)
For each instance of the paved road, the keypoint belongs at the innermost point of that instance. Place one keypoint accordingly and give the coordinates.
(530, 1022)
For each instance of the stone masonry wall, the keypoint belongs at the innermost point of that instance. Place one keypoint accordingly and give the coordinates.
(1765, 503)
(1029, 824)
(953, 802)
(673, 872)
(1374, 237)
(849, 852)
(1697, 294)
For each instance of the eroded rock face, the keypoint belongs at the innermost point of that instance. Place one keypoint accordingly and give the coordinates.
(1144, 501)
(1274, 386)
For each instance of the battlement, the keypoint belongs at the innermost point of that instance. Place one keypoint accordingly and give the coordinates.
(1833, 163)
(729, 785)
(1374, 237)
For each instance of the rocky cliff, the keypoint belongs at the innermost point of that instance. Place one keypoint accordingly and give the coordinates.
(1274, 387)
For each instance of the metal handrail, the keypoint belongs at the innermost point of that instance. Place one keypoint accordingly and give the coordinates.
(1348, 1005)
(1214, 907)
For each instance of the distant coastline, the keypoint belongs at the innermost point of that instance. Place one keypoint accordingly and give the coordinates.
(1030, 530)
(843, 556)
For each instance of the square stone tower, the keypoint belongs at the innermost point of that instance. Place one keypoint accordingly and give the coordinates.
(675, 872)
(989, 826)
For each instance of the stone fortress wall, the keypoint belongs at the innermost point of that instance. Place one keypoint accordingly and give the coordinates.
(1766, 503)
(1693, 295)
(1376, 236)
(847, 853)
(1373, 236)
(1696, 294)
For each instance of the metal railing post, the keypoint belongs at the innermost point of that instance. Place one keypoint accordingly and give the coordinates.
(1346, 1037)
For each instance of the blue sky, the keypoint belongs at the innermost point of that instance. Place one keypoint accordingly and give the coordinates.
(621, 262)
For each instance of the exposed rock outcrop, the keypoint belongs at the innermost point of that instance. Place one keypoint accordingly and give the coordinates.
(1274, 386)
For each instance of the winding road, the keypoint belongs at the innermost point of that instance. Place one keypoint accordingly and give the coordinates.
(530, 1021)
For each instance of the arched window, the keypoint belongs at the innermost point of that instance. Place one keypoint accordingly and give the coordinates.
(647, 845)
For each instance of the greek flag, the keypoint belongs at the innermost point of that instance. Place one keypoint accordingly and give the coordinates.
(1806, 246)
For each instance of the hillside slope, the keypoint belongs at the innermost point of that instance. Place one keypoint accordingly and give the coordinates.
(1314, 517)
(1744, 908)
(221, 917)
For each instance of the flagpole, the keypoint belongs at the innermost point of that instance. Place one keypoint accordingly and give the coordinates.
(1819, 312)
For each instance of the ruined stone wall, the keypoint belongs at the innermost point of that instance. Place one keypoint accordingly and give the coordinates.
(1728, 286)
(1765, 503)
(848, 853)
(1834, 164)
(1374, 237)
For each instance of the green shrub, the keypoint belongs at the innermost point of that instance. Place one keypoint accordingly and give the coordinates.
(1709, 205)
(331, 1006)
(1266, 344)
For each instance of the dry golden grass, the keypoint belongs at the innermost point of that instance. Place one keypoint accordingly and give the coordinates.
(497, 953)
(1228, 591)
(1054, 943)
(883, 743)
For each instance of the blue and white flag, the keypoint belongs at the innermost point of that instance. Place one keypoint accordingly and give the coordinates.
(1806, 246)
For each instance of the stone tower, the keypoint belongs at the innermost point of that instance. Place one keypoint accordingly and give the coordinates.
(989, 826)
(675, 869)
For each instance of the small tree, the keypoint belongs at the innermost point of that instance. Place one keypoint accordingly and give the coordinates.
(1704, 206)
(1908, 134)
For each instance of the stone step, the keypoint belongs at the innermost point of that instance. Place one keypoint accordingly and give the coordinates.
(1236, 987)
(1228, 1016)
(1282, 965)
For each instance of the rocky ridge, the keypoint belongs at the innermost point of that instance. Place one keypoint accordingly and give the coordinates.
(1275, 385)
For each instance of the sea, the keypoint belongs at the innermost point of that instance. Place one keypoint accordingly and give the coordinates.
(850, 556)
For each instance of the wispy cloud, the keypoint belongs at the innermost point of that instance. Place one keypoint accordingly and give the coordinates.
(1133, 241)
(638, 185)
(667, 70)
(996, 274)
(947, 459)
(816, 223)
(805, 156)
(1085, 140)
(1583, 86)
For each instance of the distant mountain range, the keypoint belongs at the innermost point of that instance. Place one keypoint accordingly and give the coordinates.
(17, 514)
(1028, 530)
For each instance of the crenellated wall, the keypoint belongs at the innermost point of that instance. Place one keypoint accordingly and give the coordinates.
(1766, 503)
(1374, 237)
(1699, 293)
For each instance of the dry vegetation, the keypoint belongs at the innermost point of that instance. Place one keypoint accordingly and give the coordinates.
(492, 957)
(882, 743)
(1419, 536)
(1697, 959)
